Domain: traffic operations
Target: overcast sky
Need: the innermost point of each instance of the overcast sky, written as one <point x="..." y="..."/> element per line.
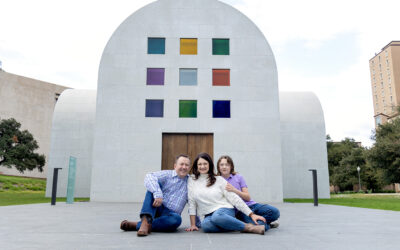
<point x="320" y="46"/>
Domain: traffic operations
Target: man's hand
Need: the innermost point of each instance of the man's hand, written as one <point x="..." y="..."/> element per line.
<point x="230" y="188"/>
<point x="157" y="202"/>
<point x="255" y="218"/>
<point x="192" y="228"/>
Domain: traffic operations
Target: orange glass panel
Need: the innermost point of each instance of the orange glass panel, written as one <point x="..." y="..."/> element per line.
<point x="221" y="77"/>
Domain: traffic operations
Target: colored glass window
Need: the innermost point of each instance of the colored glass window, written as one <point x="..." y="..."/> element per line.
<point x="221" y="77"/>
<point x="188" y="77"/>
<point x="156" y="45"/>
<point x="188" y="46"/>
<point x="154" y="108"/>
<point x="221" y="109"/>
<point x="220" y="46"/>
<point x="187" y="108"/>
<point x="155" y="76"/>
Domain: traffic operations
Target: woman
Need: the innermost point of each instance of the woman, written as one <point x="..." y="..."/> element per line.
<point x="207" y="197"/>
<point x="236" y="184"/>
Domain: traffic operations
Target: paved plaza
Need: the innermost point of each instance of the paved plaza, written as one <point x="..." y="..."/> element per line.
<point x="95" y="225"/>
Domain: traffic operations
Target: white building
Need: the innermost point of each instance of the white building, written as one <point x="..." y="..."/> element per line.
<point x="187" y="76"/>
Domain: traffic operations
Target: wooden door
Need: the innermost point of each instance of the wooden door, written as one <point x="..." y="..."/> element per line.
<point x="189" y="144"/>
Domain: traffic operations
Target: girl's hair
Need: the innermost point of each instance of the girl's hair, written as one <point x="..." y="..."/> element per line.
<point x="230" y="162"/>
<point x="211" y="174"/>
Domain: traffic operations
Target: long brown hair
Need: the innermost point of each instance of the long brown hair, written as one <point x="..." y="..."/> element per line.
<point x="230" y="162"/>
<point x="211" y="174"/>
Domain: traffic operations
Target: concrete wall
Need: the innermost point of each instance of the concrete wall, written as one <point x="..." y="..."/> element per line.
<point x="31" y="102"/>
<point x="127" y="145"/>
<point x="72" y="135"/>
<point x="303" y="145"/>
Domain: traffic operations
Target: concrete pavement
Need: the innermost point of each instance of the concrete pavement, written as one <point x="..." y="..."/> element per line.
<point x="94" y="225"/>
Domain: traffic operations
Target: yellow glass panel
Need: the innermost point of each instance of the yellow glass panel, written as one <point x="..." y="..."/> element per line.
<point x="188" y="46"/>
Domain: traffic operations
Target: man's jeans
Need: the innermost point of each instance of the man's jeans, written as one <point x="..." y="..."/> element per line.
<point x="163" y="219"/>
<point x="222" y="220"/>
<point x="270" y="214"/>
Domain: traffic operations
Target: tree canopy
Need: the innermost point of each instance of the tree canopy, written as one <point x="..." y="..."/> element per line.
<point x="17" y="147"/>
<point x="385" y="154"/>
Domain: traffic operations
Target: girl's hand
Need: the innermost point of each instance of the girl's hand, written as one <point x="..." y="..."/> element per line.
<point x="192" y="228"/>
<point x="230" y="188"/>
<point x="255" y="218"/>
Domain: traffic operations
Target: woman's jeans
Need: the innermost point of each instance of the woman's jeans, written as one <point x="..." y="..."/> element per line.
<point x="222" y="220"/>
<point x="163" y="219"/>
<point x="270" y="214"/>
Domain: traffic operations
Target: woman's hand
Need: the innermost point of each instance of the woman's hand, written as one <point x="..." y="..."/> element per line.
<point x="230" y="188"/>
<point x="192" y="228"/>
<point x="255" y="218"/>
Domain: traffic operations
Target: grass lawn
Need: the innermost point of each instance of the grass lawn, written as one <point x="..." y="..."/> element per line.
<point x="375" y="201"/>
<point x="19" y="190"/>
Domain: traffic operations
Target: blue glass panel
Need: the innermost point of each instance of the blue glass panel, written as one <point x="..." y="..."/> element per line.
<point x="154" y="108"/>
<point x="221" y="109"/>
<point x="187" y="76"/>
<point x="156" y="46"/>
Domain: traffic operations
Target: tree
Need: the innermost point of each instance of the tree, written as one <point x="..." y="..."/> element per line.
<point x="17" y="147"/>
<point x="385" y="153"/>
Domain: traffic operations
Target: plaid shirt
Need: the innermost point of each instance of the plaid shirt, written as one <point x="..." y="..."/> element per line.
<point x="167" y="185"/>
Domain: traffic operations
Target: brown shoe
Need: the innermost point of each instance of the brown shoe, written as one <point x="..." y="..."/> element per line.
<point x="145" y="227"/>
<point x="128" y="225"/>
<point x="254" y="229"/>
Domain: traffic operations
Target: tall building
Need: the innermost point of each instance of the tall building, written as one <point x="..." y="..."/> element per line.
<point x="385" y="82"/>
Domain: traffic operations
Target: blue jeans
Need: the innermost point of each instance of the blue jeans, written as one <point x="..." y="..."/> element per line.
<point x="163" y="219"/>
<point x="270" y="214"/>
<point x="222" y="220"/>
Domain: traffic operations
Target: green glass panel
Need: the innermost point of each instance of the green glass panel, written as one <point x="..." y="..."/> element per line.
<point x="187" y="108"/>
<point x="220" y="46"/>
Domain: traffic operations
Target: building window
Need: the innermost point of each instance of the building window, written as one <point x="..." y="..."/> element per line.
<point x="381" y="76"/>
<point x="391" y="98"/>
<point x="221" y="109"/>
<point x="188" y="46"/>
<point x="155" y="45"/>
<point x="380" y="67"/>
<point x="381" y="85"/>
<point x="378" y="120"/>
<point x="220" y="46"/>
<point x="155" y="76"/>
<point x="56" y="96"/>
<point x="187" y="108"/>
<point x="221" y="77"/>
<point x="188" y="77"/>
<point x="154" y="108"/>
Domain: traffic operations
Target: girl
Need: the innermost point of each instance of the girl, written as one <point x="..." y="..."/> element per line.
<point x="237" y="184"/>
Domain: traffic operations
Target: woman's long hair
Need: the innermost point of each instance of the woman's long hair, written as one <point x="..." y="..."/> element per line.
<point x="211" y="174"/>
<point x="230" y="162"/>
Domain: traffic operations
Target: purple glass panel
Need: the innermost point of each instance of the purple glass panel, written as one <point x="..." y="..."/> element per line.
<point x="155" y="76"/>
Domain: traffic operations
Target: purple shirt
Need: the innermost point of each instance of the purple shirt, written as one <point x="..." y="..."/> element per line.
<point x="238" y="182"/>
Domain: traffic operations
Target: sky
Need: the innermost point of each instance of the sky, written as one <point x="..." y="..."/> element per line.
<point x="319" y="46"/>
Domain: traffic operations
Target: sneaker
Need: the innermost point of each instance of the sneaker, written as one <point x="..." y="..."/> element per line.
<point x="274" y="225"/>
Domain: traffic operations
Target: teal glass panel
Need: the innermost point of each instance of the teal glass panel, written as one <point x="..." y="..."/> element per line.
<point x="188" y="77"/>
<point x="188" y="108"/>
<point x="156" y="45"/>
<point x="71" y="179"/>
<point x="220" y="46"/>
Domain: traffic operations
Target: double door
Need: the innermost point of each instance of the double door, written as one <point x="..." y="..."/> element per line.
<point x="174" y="144"/>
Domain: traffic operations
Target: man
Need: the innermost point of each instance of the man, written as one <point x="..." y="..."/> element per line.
<point x="165" y="199"/>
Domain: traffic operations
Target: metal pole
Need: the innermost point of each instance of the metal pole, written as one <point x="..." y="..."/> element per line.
<point x="54" y="189"/>
<point x="315" y="186"/>
<point x="359" y="182"/>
